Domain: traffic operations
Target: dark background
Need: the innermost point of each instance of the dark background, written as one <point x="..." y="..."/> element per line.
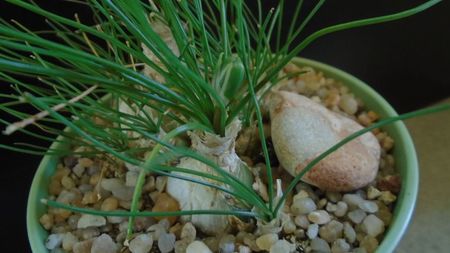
<point x="407" y="61"/>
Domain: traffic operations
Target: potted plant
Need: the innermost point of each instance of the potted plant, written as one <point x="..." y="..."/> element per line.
<point x="187" y="132"/>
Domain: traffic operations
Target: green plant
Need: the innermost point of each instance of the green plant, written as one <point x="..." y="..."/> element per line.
<point x="220" y="66"/>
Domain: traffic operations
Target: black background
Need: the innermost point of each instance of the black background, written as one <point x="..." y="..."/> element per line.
<point x="407" y="61"/>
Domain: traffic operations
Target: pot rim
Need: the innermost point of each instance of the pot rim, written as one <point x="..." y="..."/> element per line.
<point x="404" y="148"/>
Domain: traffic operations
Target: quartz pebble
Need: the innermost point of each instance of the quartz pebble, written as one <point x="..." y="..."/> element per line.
<point x="226" y="244"/>
<point x="320" y="245"/>
<point x="313" y="230"/>
<point x="369" y="243"/>
<point x="188" y="232"/>
<point x="368" y="206"/>
<point x="352" y="200"/>
<point x="303" y="206"/>
<point x="302" y="221"/>
<point x="82" y="247"/>
<point x="372" y="225"/>
<point x="69" y="241"/>
<point x="141" y="244"/>
<point x="341" y="209"/>
<point x="319" y="217"/>
<point x="198" y="247"/>
<point x="340" y="246"/>
<point x="53" y="241"/>
<point x="331" y="231"/>
<point x="266" y="241"/>
<point x="166" y="242"/>
<point x="282" y="246"/>
<point x="118" y="188"/>
<point x="104" y="244"/>
<point x="349" y="233"/>
<point x="87" y="220"/>
<point x="131" y="178"/>
<point x="244" y="249"/>
<point x="181" y="246"/>
<point x="356" y="216"/>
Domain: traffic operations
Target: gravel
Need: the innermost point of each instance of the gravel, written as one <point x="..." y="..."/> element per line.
<point x="315" y="220"/>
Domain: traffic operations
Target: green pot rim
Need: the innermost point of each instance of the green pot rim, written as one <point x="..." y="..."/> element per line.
<point x="404" y="153"/>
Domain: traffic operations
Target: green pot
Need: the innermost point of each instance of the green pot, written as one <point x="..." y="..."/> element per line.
<point x="404" y="152"/>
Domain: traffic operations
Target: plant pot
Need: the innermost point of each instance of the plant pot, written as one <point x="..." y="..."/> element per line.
<point x="404" y="153"/>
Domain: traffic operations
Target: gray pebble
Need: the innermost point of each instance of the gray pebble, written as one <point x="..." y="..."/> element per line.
<point x="356" y="216"/>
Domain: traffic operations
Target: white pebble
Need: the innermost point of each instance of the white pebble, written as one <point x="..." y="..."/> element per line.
<point x="320" y="245"/>
<point x="302" y="221"/>
<point x="226" y="244"/>
<point x="352" y="200"/>
<point x="244" y="249"/>
<point x="53" y="241"/>
<point x="331" y="207"/>
<point x="131" y="178"/>
<point x="141" y="244"/>
<point x="368" y="206"/>
<point x="331" y="231"/>
<point x="198" y="247"/>
<point x="82" y="247"/>
<point x="166" y="242"/>
<point x="68" y="241"/>
<point x="340" y="246"/>
<point x="188" y="232"/>
<point x="372" y="225"/>
<point x="313" y="230"/>
<point x="87" y="220"/>
<point x="356" y="216"/>
<point x="348" y="104"/>
<point x="303" y="206"/>
<point x="341" y="209"/>
<point x="319" y="217"/>
<point x="104" y="244"/>
<point x="349" y="232"/>
<point x="118" y="188"/>
<point x="266" y="241"/>
<point x="289" y="227"/>
<point x="282" y="246"/>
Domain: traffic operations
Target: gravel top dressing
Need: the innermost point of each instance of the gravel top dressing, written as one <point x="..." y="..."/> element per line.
<point x="311" y="220"/>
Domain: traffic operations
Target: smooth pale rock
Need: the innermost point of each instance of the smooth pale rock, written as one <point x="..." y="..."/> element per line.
<point x="303" y="129"/>
<point x="356" y="216"/>
<point x="282" y="246"/>
<point x="141" y="244"/>
<point x="303" y="206"/>
<point x="368" y="206"/>
<point x="87" y="220"/>
<point x="349" y="232"/>
<point x="320" y="245"/>
<point x="53" y="241"/>
<point x="331" y="231"/>
<point x="104" y="244"/>
<point x="372" y="225"/>
<point x="198" y="247"/>
<point x="319" y="217"/>
<point x="266" y="241"/>
<point x="166" y="242"/>
<point x="188" y="232"/>
<point x="340" y="246"/>
<point x="69" y="241"/>
<point x="82" y="247"/>
<point x="313" y="230"/>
